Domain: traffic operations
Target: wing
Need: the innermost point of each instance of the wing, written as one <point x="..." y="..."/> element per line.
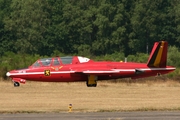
<point x="121" y="72"/>
<point x="97" y="71"/>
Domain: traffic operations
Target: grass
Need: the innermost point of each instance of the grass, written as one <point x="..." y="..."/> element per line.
<point x="37" y="97"/>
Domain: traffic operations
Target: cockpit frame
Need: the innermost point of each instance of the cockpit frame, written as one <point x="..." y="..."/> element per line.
<point x="44" y="62"/>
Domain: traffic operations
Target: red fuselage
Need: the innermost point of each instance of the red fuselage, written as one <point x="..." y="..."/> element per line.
<point x="76" y="71"/>
<point x="77" y="68"/>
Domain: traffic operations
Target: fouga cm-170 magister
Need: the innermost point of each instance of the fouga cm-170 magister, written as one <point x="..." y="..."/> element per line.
<point x="77" y="68"/>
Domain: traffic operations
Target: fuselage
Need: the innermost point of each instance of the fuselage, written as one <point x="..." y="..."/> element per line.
<point x="74" y="72"/>
<point x="77" y="68"/>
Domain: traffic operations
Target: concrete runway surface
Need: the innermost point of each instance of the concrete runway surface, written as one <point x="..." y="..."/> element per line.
<point x="167" y="115"/>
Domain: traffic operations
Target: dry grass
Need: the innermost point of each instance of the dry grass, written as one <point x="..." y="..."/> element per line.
<point x="55" y="97"/>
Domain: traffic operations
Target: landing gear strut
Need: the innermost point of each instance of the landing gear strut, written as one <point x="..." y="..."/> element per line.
<point x="16" y="84"/>
<point x="91" y="82"/>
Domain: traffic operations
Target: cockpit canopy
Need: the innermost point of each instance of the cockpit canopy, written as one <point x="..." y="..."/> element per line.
<point x="60" y="61"/>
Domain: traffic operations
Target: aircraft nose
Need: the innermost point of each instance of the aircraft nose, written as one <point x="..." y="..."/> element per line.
<point x="8" y="74"/>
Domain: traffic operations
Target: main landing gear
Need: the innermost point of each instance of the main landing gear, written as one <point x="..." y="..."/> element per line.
<point x="16" y="84"/>
<point x="92" y="81"/>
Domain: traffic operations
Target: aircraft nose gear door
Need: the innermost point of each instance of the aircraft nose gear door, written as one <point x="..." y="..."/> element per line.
<point x="91" y="82"/>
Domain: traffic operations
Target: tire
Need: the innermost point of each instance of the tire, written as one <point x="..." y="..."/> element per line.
<point x="91" y="85"/>
<point x="16" y="84"/>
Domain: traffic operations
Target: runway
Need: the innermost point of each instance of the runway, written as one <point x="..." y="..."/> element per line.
<point x="94" y="116"/>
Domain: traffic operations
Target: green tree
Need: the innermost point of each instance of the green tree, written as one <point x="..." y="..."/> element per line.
<point x="173" y="56"/>
<point x="175" y="11"/>
<point x="87" y="27"/>
<point x="56" y="33"/>
<point x="112" y="21"/>
<point x="5" y="36"/>
<point x="152" y="21"/>
<point x="28" y="21"/>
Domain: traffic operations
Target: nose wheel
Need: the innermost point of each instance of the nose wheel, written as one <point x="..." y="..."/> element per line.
<point x="16" y="84"/>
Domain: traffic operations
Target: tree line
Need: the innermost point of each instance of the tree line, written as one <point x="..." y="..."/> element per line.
<point x="87" y="27"/>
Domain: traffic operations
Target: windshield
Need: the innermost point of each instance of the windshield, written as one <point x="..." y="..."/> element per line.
<point x="46" y="61"/>
<point x="56" y="61"/>
<point x="53" y="61"/>
<point x="36" y="64"/>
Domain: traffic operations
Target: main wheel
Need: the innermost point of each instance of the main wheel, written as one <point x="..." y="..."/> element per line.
<point x="94" y="85"/>
<point x="91" y="85"/>
<point x="16" y="84"/>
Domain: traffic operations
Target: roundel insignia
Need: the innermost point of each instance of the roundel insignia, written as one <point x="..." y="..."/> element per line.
<point x="56" y="69"/>
<point x="47" y="73"/>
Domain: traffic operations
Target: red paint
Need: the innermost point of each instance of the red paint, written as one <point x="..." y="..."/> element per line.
<point x="79" y="68"/>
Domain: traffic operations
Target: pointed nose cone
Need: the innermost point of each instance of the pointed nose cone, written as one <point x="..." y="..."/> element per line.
<point x="8" y="74"/>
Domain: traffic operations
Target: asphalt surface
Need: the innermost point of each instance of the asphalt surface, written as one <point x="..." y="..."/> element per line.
<point x="94" y="116"/>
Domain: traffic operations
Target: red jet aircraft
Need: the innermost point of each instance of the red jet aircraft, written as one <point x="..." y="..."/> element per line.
<point x="77" y="68"/>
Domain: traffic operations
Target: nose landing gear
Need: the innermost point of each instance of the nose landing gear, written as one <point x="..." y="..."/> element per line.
<point x="16" y="84"/>
<point x="17" y="81"/>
